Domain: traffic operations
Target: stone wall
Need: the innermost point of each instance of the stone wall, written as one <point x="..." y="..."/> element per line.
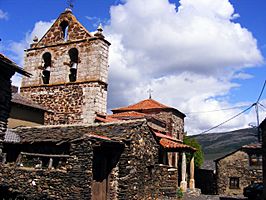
<point x="236" y="165"/>
<point x="5" y="98"/>
<point x="139" y="175"/>
<point x="72" y="183"/>
<point x="71" y="103"/>
<point x="174" y="123"/>
<point x="135" y="173"/>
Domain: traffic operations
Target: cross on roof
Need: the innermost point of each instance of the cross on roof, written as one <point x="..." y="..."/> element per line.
<point x="150" y="91"/>
<point x="70" y="4"/>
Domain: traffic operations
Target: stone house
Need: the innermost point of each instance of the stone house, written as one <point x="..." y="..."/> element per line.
<point x="7" y="69"/>
<point x="25" y="112"/>
<point x="71" y="156"/>
<point x="238" y="169"/>
<point x="263" y="131"/>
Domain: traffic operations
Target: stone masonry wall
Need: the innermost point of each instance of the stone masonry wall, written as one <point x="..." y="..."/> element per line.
<point x="5" y="98"/>
<point x="174" y="123"/>
<point x="236" y="165"/>
<point x="70" y="103"/>
<point x="73" y="102"/>
<point x="93" y="66"/>
<point x="138" y="174"/>
<point x="72" y="183"/>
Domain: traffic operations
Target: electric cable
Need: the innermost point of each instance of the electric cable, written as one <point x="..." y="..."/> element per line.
<point x="229" y="119"/>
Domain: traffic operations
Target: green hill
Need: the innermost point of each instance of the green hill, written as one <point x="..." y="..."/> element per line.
<point x="216" y="145"/>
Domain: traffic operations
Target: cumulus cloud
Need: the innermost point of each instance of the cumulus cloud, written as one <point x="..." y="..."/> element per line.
<point x="3" y="15"/>
<point x="189" y="55"/>
<point x="17" y="48"/>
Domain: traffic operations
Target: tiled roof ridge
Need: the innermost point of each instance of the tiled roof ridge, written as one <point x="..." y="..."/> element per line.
<point x="143" y="105"/>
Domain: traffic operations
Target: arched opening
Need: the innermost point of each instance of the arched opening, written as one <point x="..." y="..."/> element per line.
<point x="46" y="67"/>
<point x="74" y="60"/>
<point x="64" y="27"/>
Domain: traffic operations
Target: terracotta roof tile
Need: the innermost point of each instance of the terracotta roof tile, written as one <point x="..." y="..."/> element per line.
<point x="161" y="135"/>
<point x="142" y="105"/>
<point x="252" y="146"/>
<point x="127" y="114"/>
<point x="169" y="144"/>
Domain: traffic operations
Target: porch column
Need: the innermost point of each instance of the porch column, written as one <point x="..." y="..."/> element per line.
<point x="192" y="180"/>
<point x="183" y="184"/>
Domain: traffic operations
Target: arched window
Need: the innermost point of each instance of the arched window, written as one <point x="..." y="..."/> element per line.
<point x="64" y="27"/>
<point x="46" y="67"/>
<point x="74" y="60"/>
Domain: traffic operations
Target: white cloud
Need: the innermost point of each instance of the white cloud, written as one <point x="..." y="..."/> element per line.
<point x="17" y="48"/>
<point x="3" y="15"/>
<point x="188" y="55"/>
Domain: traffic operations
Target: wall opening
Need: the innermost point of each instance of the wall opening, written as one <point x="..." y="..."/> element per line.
<point x="64" y="27"/>
<point x="46" y="67"/>
<point x="74" y="60"/>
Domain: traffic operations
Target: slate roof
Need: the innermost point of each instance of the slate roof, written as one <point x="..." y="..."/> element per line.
<point x="257" y="147"/>
<point x="67" y="133"/>
<point x="4" y="61"/>
<point x="18" y="99"/>
<point x="11" y="137"/>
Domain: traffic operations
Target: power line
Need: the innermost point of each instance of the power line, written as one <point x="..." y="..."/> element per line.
<point x="228" y="119"/>
<point x="261" y="92"/>
<point x="223" y="109"/>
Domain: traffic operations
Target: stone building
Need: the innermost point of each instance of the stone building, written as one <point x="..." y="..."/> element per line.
<point x="69" y="67"/>
<point x="263" y="130"/>
<point x="24" y="112"/>
<point x="7" y="69"/>
<point x="168" y="125"/>
<point x="239" y="169"/>
<point x="135" y="156"/>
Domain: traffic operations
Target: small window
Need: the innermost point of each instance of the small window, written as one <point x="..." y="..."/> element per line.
<point x="234" y="183"/>
<point x="255" y="160"/>
<point x="46" y="67"/>
<point x="64" y="27"/>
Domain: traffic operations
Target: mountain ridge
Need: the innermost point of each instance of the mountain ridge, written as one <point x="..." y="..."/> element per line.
<point x="216" y="145"/>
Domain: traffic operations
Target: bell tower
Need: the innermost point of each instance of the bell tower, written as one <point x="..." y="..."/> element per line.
<point x="69" y="67"/>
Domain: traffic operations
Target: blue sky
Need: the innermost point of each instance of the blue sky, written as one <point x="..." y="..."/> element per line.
<point x="224" y="76"/>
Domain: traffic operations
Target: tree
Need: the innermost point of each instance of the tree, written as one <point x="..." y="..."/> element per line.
<point x="198" y="155"/>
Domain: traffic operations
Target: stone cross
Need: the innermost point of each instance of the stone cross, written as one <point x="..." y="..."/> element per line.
<point x="150" y="91"/>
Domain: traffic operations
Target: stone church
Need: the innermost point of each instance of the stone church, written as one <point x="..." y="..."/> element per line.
<point x="81" y="152"/>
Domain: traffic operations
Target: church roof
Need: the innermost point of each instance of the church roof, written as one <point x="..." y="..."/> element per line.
<point x="142" y="105"/>
<point x="147" y="104"/>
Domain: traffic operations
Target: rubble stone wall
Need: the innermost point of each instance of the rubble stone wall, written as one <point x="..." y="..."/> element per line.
<point x="73" y="102"/>
<point x="236" y="165"/>
<point x="139" y="175"/>
<point x="72" y="183"/>
<point x="174" y="123"/>
<point x="70" y="103"/>
<point x="5" y="99"/>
